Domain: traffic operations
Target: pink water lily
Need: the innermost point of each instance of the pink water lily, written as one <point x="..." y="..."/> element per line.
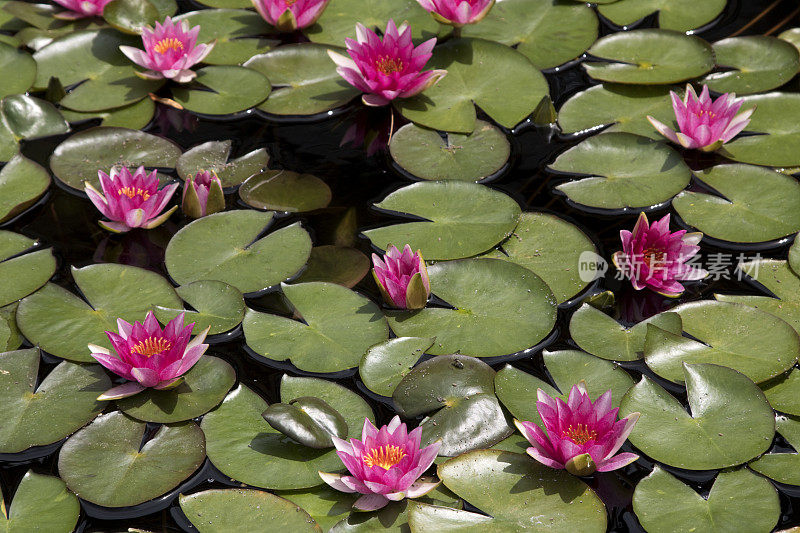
<point x="202" y="195"/>
<point x="388" y="68"/>
<point x="385" y="465"/>
<point x="580" y="436"/>
<point x="402" y="278"/>
<point x="148" y="356"/>
<point x="656" y="258"/>
<point x="702" y="122"/>
<point x="457" y="12"/>
<point x="78" y="9"/>
<point x="170" y="50"/>
<point x="290" y="15"/>
<point x="131" y="200"/>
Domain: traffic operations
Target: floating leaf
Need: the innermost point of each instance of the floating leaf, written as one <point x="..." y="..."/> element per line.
<point x="394" y="517"/>
<point x="133" y="116"/>
<point x="30" y="118"/>
<point x="22" y="182"/>
<point x="130" y="16"/>
<point x="10" y="337"/>
<point x="752" y="64"/>
<point x="41" y="503"/>
<point x="325" y="505"/>
<point x="386" y="364"/>
<point x="680" y="15"/>
<point x="216" y="305"/>
<point x="335" y="264"/>
<point x="239" y="33"/>
<point x="782" y="467"/>
<point x="21" y="272"/>
<point x="284" y="190"/>
<point x="214" y="156"/>
<point x="21" y="64"/>
<point x="226" y="89"/>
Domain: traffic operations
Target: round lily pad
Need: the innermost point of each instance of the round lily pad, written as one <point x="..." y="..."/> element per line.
<point x="29" y="118"/>
<point x="325" y="505"/>
<point x="246" y="448"/>
<point x="214" y="156"/>
<point x="548" y="33"/>
<point x="21" y="64"/>
<point x="474" y="67"/>
<point x="63" y="402"/>
<point x="394" y="517"/>
<point x="304" y="79"/>
<point x="624" y="171"/>
<point x="225" y="89"/>
<point x="203" y="388"/>
<point x="386" y="364"/>
<point x="215" y="304"/>
<point x="782" y="467"/>
<point x="738" y="498"/>
<point x="500" y="308"/>
<point x="750" y="204"/>
<point x="41" y="503"/>
<point x="63" y="324"/>
<point x="426" y="154"/>
<point x="78" y="158"/>
<point x="335" y="264"/>
<point x="223" y="511"/>
<point x="338" y="327"/>
<point x="22" y="182"/>
<point x="107" y="462"/>
<point x="729" y="421"/>
<point x="132" y="116"/>
<point x="23" y="268"/>
<point x="284" y="190"/>
<point x="130" y="16"/>
<point x="752" y="64"/>
<point x="649" y="57"/>
<point x="680" y="15"/>
<point x="460" y="219"/>
<point x="231" y="253"/>
<point x="239" y="33"/>
<point x="10" y="337"/>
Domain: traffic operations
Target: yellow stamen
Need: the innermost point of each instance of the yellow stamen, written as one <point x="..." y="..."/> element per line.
<point x="151" y="346"/>
<point x="580" y="434"/>
<point x="388" y="65"/>
<point x="384" y="456"/>
<point x="290" y="2"/>
<point x="130" y="192"/>
<point x="171" y="43"/>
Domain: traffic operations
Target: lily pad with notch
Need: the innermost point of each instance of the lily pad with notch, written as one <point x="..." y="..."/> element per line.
<point x="679" y="15"/>
<point x="752" y="64"/>
<point x="394" y="517"/>
<point x="239" y="34"/>
<point x="284" y="190"/>
<point x="335" y="264"/>
<point x="23" y="66"/>
<point x="782" y="467"/>
<point x="214" y="156"/>
<point x="27" y="117"/>
<point x="214" y="304"/>
<point x="325" y="505"/>
<point x="133" y="116"/>
<point x="386" y="364"/>
<point x="223" y="90"/>
<point x="41" y="503"/>
<point x="10" y="337"/>
<point x="23" y="267"/>
<point x="22" y="183"/>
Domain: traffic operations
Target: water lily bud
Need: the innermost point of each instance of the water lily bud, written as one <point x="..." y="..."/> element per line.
<point x="202" y="195"/>
<point x="402" y="278"/>
<point x="457" y="13"/>
<point x="290" y="15"/>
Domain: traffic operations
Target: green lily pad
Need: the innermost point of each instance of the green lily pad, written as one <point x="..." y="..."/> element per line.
<point x="223" y="511"/>
<point x="284" y="190"/>
<point x="30" y="118"/>
<point x="757" y="63"/>
<point x="22" y="183"/>
<point x="550" y="247"/>
<point x="41" y="503"/>
<point x="246" y="448"/>
<point x="500" y="309"/>
<point x="794" y="256"/>
<point x="394" y="517"/>
<point x="10" y="337"/>
<point x="21" y="64"/>
<point x="130" y="16"/>
<point x="22" y="273"/>
<point x="782" y="467"/>
<point x="63" y="401"/>
<point x="335" y="264"/>
<point x="680" y="15"/>
<point x="133" y="116"/>
<point x="62" y="323"/>
<point x="239" y="33"/>
<point x="231" y="253"/>
<point x="792" y="35"/>
<point x="549" y="32"/>
<point x="729" y="422"/>
<point x="203" y="388"/>
<point x="600" y="335"/>
<point x="214" y="156"/>
<point x="425" y="154"/>
<point x="215" y="304"/>
<point x="473" y="68"/>
<point x="386" y="364"/>
<point x="78" y="158"/>
<point x="304" y="78"/>
<point x="751" y="204"/>
<point x="325" y="505"/>
<point x="649" y="57"/>
<point x="226" y="4"/>
<point x="738" y="499"/>
<point x="753" y="342"/>
<point x="460" y="390"/>
<point x="782" y="392"/>
<point x="517" y="389"/>
<point x="223" y="90"/>
<point x="338" y="327"/>
<point x="108" y="464"/>
<point x="460" y="219"/>
<point x="37" y="15"/>
<point x="624" y="170"/>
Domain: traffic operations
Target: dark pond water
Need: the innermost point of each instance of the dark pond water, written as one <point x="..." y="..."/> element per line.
<point x="68" y="224"/>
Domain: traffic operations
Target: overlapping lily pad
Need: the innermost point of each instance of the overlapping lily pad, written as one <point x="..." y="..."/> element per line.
<point x="325" y="505"/>
<point x="133" y="116"/>
<point x="284" y="190"/>
<point x="752" y="64"/>
<point x="41" y="503"/>
<point x="129" y="16"/>
<point x="782" y="467"/>
<point x="21" y="64"/>
<point x="499" y="308"/>
<point x="26" y="117"/>
<point x="23" y="268"/>
<point x="386" y="364"/>
<point x="214" y="304"/>
<point x="335" y="264"/>
<point x="230" y="252"/>
<point x="394" y="517"/>
<point x="459" y="219"/>
<point x="338" y="327"/>
<point x="22" y="182"/>
<point x="680" y="15"/>
<point x="624" y="171"/>
<point x="214" y="156"/>
<point x="239" y="33"/>
<point x="223" y="89"/>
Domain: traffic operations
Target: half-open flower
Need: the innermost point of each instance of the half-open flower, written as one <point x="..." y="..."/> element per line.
<point x="402" y="278"/>
<point x="170" y="50"/>
<point x="202" y="195"/>
<point x="388" y="68"/>
<point x="385" y="465"/>
<point x="457" y="13"/>
<point x="580" y="435"/>
<point x="78" y="9"/>
<point x="131" y="200"/>
<point x="656" y="258"/>
<point x="290" y="15"/>
<point x="702" y="122"/>
<point x="148" y="356"/>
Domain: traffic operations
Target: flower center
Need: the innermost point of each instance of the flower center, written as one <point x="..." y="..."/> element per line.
<point x="170" y="43"/>
<point x="388" y="65"/>
<point x="654" y="257"/>
<point x="289" y="2"/>
<point x="130" y="192"/>
<point x="152" y="346"/>
<point x="384" y="456"/>
<point x="705" y="112"/>
<point x="580" y="434"/>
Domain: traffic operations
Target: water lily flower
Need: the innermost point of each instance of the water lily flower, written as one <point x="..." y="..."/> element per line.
<point x="170" y="50"/>
<point x="656" y="258"/>
<point x="457" y="13"/>
<point x="131" y="200"/>
<point x="202" y="195"/>
<point x="290" y="15"/>
<point x="78" y="9"/>
<point x="402" y="278"/>
<point x="704" y="123"/>
<point x="580" y="436"/>
<point x="385" y="465"/>
<point x="148" y="356"/>
<point x="388" y="68"/>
